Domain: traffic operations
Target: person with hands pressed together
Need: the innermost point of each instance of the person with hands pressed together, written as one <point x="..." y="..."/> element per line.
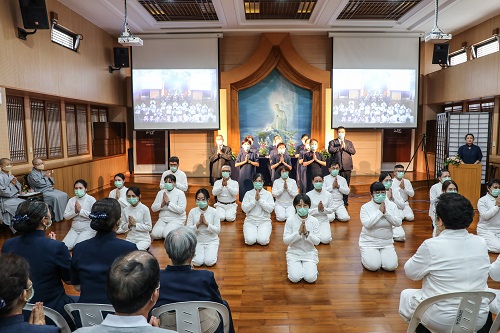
<point x="247" y="161"/>
<point x="313" y="161"/>
<point x="282" y="158"/>
<point x="173" y="169"/>
<point x="10" y="188"/>
<point x="120" y="191"/>
<point x="136" y="220"/>
<point x="321" y="208"/>
<point x="226" y="190"/>
<point x="220" y="155"/>
<point x="284" y="190"/>
<point x="338" y="187"/>
<point x="398" y="233"/>
<point x="405" y="190"/>
<point x="488" y="206"/>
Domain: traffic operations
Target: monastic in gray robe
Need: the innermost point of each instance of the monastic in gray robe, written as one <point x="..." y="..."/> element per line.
<point x="52" y="197"/>
<point x="8" y="197"/>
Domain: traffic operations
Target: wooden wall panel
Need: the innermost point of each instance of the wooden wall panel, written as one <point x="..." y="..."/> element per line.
<point x="193" y="150"/>
<point x="368" y="157"/>
<point x="316" y="50"/>
<point x="236" y="50"/>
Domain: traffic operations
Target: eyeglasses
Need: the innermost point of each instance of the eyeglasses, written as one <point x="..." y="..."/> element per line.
<point x="157" y="288"/>
<point x="30" y="287"/>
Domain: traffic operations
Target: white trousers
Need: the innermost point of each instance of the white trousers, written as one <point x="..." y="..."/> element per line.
<point x="162" y="228"/>
<point x="398" y="233"/>
<point x="325" y="233"/>
<point x="226" y="212"/>
<point x="74" y="237"/>
<point x="141" y="245"/>
<point x="283" y="213"/>
<point x="341" y="214"/>
<point x="206" y="254"/>
<point x="408" y="213"/>
<point x="257" y="234"/>
<point x="492" y="240"/>
<point x="375" y="258"/>
<point x="298" y="270"/>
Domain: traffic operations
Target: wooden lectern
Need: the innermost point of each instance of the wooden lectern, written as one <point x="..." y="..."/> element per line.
<point x="468" y="179"/>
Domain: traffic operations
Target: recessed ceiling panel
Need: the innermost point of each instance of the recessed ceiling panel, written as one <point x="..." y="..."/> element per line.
<point x="180" y="10"/>
<point x="279" y="9"/>
<point x="377" y="9"/>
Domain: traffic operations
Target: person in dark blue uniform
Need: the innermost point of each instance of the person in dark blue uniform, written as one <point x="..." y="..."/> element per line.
<point x="313" y="161"/>
<point x="247" y="161"/>
<point x="48" y="258"/>
<point x="93" y="257"/>
<point x="301" y="169"/>
<point x="470" y="153"/>
<point x="16" y="290"/>
<point x="282" y="158"/>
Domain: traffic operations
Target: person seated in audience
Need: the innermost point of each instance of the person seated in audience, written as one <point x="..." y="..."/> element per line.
<point x="93" y="257"/>
<point x="488" y="206"/>
<point x="450" y="186"/>
<point x="247" y="161"/>
<point x="284" y="190"/>
<point x="171" y="203"/>
<point x="376" y="241"/>
<point x="302" y="234"/>
<point x="435" y="191"/>
<point x="226" y="190"/>
<point x="302" y="170"/>
<point x="181" y="283"/>
<point x="398" y="233"/>
<point x="16" y="290"/>
<point x="132" y="286"/>
<point x="220" y="155"/>
<point x="454" y="261"/>
<point x="41" y="181"/>
<point x="258" y="205"/>
<point x="338" y="187"/>
<point x="205" y="222"/>
<point x="321" y="208"/>
<point x="403" y="186"/>
<point x="78" y="210"/>
<point x="10" y="188"/>
<point x="120" y="191"/>
<point x="181" y="178"/>
<point x="48" y="258"/>
<point x="136" y="220"/>
<point x="313" y="161"/>
<point x="281" y="158"/>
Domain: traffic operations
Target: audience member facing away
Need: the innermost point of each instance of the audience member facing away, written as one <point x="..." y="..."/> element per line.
<point x="226" y="190"/>
<point x="220" y="155"/>
<point x="455" y="261"/>
<point x="16" y="290"/>
<point x="313" y="161"/>
<point x="120" y="191"/>
<point x="302" y="234"/>
<point x="403" y="186"/>
<point x="393" y="197"/>
<point x="434" y="193"/>
<point x="78" y="210"/>
<point x="321" y="208"/>
<point x="181" y="283"/>
<point x="470" y="153"/>
<point x="488" y="206"/>
<point x="181" y="179"/>
<point x="376" y="240"/>
<point x="450" y="186"/>
<point x="247" y="161"/>
<point x="281" y="158"/>
<point x="133" y="284"/>
<point x="284" y="190"/>
<point x="205" y="222"/>
<point x="41" y="181"/>
<point x="171" y="203"/>
<point x="338" y="187"/>
<point x="92" y="258"/>
<point x="10" y="188"/>
<point x="136" y="220"/>
<point x="342" y="151"/>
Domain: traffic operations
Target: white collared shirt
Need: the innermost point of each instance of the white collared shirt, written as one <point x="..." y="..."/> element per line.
<point x="226" y="194"/>
<point x="408" y="192"/>
<point x="338" y="192"/>
<point x="285" y="198"/>
<point x="125" y="321"/>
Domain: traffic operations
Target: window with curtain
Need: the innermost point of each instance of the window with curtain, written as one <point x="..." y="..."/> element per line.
<point x="16" y="129"/>
<point x="46" y="129"/>
<point x="98" y="114"/>
<point x="76" y="129"/>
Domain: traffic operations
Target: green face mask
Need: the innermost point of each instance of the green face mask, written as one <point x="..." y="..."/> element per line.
<point x="168" y="186"/>
<point x="387" y="184"/>
<point x="314" y="147"/>
<point x="379" y="197"/>
<point x="334" y="172"/>
<point x="318" y="186"/>
<point x="302" y="211"/>
<point x="173" y="168"/>
<point x="495" y="192"/>
<point x="118" y="184"/>
<point x="133" y="201"/>
<point x="451" y="191"/>
<point x="225" y="174"/>
<point x="284" y="174"/>
<point x="202" y="204"/>
<point x="445" y="179"/>
<point x="257" y="185"/>
<point x="79" y="193"/>
<point x="400" y="174"/>
<point x="281" y="151"/>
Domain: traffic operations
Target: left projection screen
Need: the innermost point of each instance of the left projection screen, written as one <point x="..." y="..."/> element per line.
<point x="175" y="84"/>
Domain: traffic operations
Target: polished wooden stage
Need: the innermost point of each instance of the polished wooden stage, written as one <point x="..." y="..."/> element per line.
<point x="253" y="279"/>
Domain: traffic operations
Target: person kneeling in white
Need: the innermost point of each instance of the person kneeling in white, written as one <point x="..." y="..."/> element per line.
<point x="258" y="205"/>
<point x="405" y="191"/>
<point x="205" y="222"/>
<point x="284" y="190"/>
<point x="338" y="187"/>
<point x="488" y="206"/>
<point x="398" y="233"/>
<point x="171" y="203"/>
<point x="321" y="208"/>
<point x="301" y="235"/>
<point x="226" y="190"/>
<point x="136" y="220"/>
<point x="453" y="261"/>
<point x="375" y="241"/>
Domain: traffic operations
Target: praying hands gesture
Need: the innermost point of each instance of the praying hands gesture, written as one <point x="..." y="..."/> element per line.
<point x="389" y="195"/>
<point x="52" y="235"/>
<point x="303" y="229"/>
<point x="315" y="158"/>
<point x="131" y="222"/>
<point x="321" y="207"/>
<point x="342" y="144"/>
<point x="202" y="221"/>
<point x="14" y="181"/>
<point x="382" y="207"/>
<point x="37" y="316"/>
<point x="224" y="181"/>
<point x="166" y="200"/>
<point x="497" y="201"/>
<point x="282" y="159"/>
<point x="402" y="184"/>
<point x="117" y="195"/>
<point x="285" y="186"/>
<point x="78" y="207"/>
<point x="335" y="183"/>
<point x="47" y="173"/>
<point x="246" y="159"/>
<point x="257" y="195"/>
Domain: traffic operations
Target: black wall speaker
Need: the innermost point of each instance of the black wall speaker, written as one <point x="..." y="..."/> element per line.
<point x="121" y="57"/>
<point x="34" y="13"/>
<point x="440" y="55"/>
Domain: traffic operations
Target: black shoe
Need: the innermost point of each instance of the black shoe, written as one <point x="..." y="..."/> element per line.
<point x="346" y="204"/>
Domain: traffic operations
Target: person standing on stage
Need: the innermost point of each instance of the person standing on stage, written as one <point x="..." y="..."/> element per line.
<point x="470" y="153"/>
<point x="313" y="161"/>
<point x="219" y="156"/>
<point x="302" y="170"/>
<point x="247" y="161"/>
<point x="299" y="149"/>
<point x="342" y="151"/>
<point x="282" y="158"/>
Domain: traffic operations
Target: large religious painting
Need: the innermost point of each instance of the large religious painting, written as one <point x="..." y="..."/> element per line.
<point x="275" y="106"/>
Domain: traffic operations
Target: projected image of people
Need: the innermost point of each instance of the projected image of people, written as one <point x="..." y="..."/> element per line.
<point x="374" y="98"/>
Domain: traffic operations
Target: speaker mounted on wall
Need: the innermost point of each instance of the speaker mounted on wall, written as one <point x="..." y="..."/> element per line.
<point x="34" y="14"/>
<point x="121" y="59"/>
<point x="440" y="54"/>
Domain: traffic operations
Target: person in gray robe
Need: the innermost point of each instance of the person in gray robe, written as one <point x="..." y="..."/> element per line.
<point x="41" y="181"/>
<point x="10" y="188"/>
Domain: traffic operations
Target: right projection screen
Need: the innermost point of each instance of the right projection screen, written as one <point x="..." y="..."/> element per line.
<point x="375" y="81"/>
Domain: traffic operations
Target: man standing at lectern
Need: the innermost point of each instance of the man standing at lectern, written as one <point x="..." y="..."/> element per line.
<point x="342" y="151"/>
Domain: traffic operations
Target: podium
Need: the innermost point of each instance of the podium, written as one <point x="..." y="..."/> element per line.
<point x="468" y="179"/>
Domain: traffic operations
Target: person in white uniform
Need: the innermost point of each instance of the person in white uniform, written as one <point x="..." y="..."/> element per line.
<point x="454" y="261"/>
<point x="120" y="191"/>
<point x="450" y="186"/>
<point x="338" y="187"/>
<point x="488" y="206"/>
<point x="284" y="190"/>
<point x="136" y="220"/>
<point x="10" y="188"/>
<point x="78" y="210"/>
<point x="405" y="189"/>
<point x="226" y="190"/>
<point x="181" y="178"/>
<point x="435" y="192"/>
<point x="495" y="276"/>
<point x="258" y="205"/>
<point x="171" y="203"/>
<point x="376" y="241"/>
<point x="205" y="222"/>
<point x="321" y="208"/>
<point x="398" y="233"/>
<point x="301" y="234"/>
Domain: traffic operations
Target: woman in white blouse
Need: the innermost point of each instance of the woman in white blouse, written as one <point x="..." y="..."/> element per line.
<point x="284" y="190"/>
<point x="488" y="206"/>
<point x="171" y="203"/>
<point x="258" y="205"/>
<point x="120" y="191"/>
<point x="78" y="209"/>
<point x="301" y="234"/>
<point x="205" y="222"/>
<point x="398" y="233"/>
<point x="322" y="208"/>
<point x="136" y="220"/>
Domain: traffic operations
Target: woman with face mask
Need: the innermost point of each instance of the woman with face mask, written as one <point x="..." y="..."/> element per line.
<point x="247" y="161"/>
<point x="120" y="191"/>
<point x="313" y="161"/>
<point x="394" y="197"/>
<point x="338" y="187"/>
<point x="284" y="190"/>
<point x="78" y="210"/>
<point x="375" y="241"/>
<point x="321" y="207"/>
<point x="258" y="205"/>
<point x="282" y="158"/>
<point x="205" y="222"/>
<point x="136" y="220"/>
<point x="10" y="188"/>
<point x="301" y="234"/>
<point x="488" y="206"/>
<point x="435" y="191"/>
<point x="301" y="169"/>
<point x="450" y="186"/>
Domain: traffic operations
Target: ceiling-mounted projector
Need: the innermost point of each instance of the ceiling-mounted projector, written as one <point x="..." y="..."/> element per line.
<point x="126" y="38"/>
<point x="436" y="35"/>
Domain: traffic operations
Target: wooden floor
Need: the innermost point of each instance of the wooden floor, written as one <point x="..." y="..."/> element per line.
<point x="345" y="298"/>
